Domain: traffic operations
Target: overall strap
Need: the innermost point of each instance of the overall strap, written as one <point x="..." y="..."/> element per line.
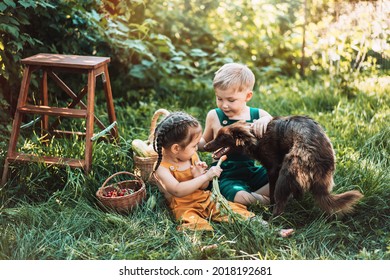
<point x="224" y="120"/>
<point x="255" y="115"/>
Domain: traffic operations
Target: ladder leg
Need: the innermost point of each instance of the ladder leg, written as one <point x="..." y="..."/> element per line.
<point x="17" y="121"/>
<point x="89" y="120"/>
<point x="18" y="116"/>
<point x="45" y="102"/>
<point x="110" y="102"/>
<point x="5" y="173"/>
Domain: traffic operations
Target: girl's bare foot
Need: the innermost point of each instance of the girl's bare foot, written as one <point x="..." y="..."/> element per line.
<point x="286" y="232"/>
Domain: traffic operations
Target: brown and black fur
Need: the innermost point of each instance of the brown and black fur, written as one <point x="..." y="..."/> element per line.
<point x="298" y="156"/>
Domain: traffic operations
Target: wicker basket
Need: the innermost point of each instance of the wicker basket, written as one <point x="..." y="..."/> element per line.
<point x="143" y="166"/>
<point x="122" y="204"/>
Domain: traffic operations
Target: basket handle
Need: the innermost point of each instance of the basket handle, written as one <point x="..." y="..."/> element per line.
<point x="157" y="114"/>
<point x="119" y="173"/>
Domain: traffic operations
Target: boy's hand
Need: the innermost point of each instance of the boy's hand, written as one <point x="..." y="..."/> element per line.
<point x="199" y="168"/>
<point x="259" y="127"/>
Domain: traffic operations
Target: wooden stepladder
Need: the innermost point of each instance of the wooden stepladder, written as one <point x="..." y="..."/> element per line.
<point x="50" y="65"/>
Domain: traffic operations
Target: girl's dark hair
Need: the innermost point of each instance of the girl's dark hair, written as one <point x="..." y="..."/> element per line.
<point x="173" y="129"/>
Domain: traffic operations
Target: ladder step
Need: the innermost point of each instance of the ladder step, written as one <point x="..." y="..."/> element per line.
<point x="75" y="163"/>
<point x="67" y="134"/>
<point x="53" y="111"/>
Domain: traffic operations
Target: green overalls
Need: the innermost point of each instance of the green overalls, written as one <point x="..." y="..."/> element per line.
<point x="240" y="173"/>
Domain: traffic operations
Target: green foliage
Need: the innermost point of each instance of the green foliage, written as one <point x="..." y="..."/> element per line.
<point x="13" y="39"/>
<point x="160" y="47"/>
<point x="349" y="43"/>
<point x="261" y="34"/>
<point x="172" y="46"/>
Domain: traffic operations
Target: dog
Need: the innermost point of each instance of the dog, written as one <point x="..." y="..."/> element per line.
<point x="298" y="157"/>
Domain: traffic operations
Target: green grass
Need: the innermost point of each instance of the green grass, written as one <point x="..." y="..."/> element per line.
<point x="52" y="213"/>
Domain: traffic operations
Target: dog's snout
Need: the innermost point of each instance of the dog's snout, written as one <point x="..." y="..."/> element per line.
<point x="210" y="146"/>
<point x="206" y="147"/>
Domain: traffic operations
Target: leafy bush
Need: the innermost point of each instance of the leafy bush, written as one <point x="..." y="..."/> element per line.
<point x="162" y="44"/>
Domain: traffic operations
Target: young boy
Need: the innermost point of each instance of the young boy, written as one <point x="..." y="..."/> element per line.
<point x="241" y="181"/>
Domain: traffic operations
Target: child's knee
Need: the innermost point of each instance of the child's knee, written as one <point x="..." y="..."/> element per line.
<point x="264" y="190"/>
<point x="244" y="198"/>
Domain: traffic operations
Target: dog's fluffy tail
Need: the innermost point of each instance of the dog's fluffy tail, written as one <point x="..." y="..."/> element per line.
<point x="338" y="204"/>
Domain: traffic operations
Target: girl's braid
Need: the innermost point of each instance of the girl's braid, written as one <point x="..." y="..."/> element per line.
<point x="172" y="129"/>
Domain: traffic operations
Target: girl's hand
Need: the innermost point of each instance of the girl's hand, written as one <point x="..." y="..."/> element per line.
<point x="259" y="127"/>
<point x="214" y="171"/>
<point x="199" y="168"/>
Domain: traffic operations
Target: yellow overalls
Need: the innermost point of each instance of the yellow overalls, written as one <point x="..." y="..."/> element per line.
<point x="195" y="209"/>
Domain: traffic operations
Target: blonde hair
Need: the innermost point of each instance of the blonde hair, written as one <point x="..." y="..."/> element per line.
<point x="234" y="75"/>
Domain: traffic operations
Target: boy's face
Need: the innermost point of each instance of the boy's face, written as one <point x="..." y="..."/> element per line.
<point x="232" y="101"/>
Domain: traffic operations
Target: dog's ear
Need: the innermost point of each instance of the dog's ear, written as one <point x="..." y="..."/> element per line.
<point x="241" y="132"/>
